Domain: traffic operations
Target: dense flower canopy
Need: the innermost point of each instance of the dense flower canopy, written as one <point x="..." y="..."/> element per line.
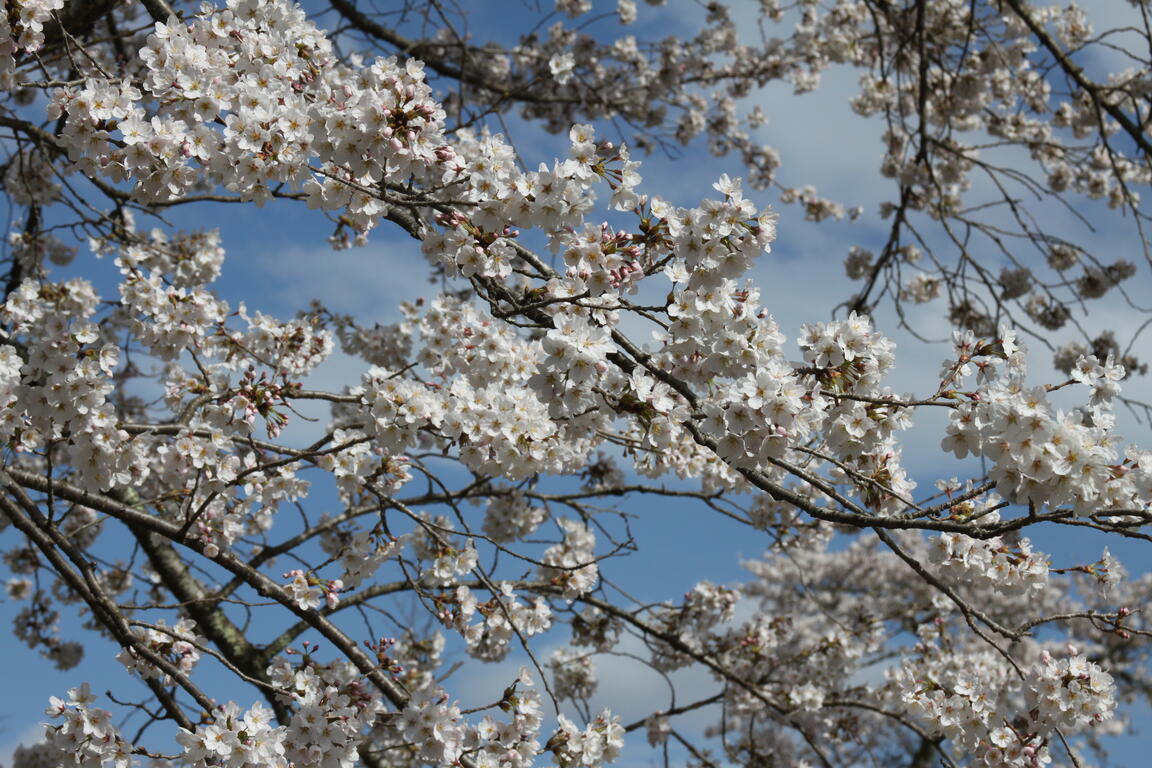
<point x="594" y="350"/>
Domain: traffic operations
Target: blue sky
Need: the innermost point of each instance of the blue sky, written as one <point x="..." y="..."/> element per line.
<point x="279" y="260"/>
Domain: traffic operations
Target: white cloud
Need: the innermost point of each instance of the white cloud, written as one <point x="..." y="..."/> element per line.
<point x="368" y="282"/>
<point x="32" y="733"/>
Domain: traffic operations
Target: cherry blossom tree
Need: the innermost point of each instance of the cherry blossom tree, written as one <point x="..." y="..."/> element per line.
<point x="594" y="351"/>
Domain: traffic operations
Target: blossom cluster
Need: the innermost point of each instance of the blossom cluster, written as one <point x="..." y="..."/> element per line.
<point x="252" y="96"/>
<point x="503" y="619"/>
<point x="333" y="708"/>
<point x="62" y="386"/>
<point x="178" y="644"/>
<point x="571" y="564"/>
<point x="86" y="735"/>
<point x="978" y="703"/>
<point x="309" y="592"/>
<point x="1038" y="452"/>
<point x="235" y="739"/>
<point x="22" y="30"/>
<point x="360" y="554"/>
<point x="991" y="563"/>
<point x="597" y="744"/>
<point x="528" y="369"/>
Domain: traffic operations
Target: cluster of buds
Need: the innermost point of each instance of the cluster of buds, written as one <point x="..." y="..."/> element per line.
<point x="260" y="396"/>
